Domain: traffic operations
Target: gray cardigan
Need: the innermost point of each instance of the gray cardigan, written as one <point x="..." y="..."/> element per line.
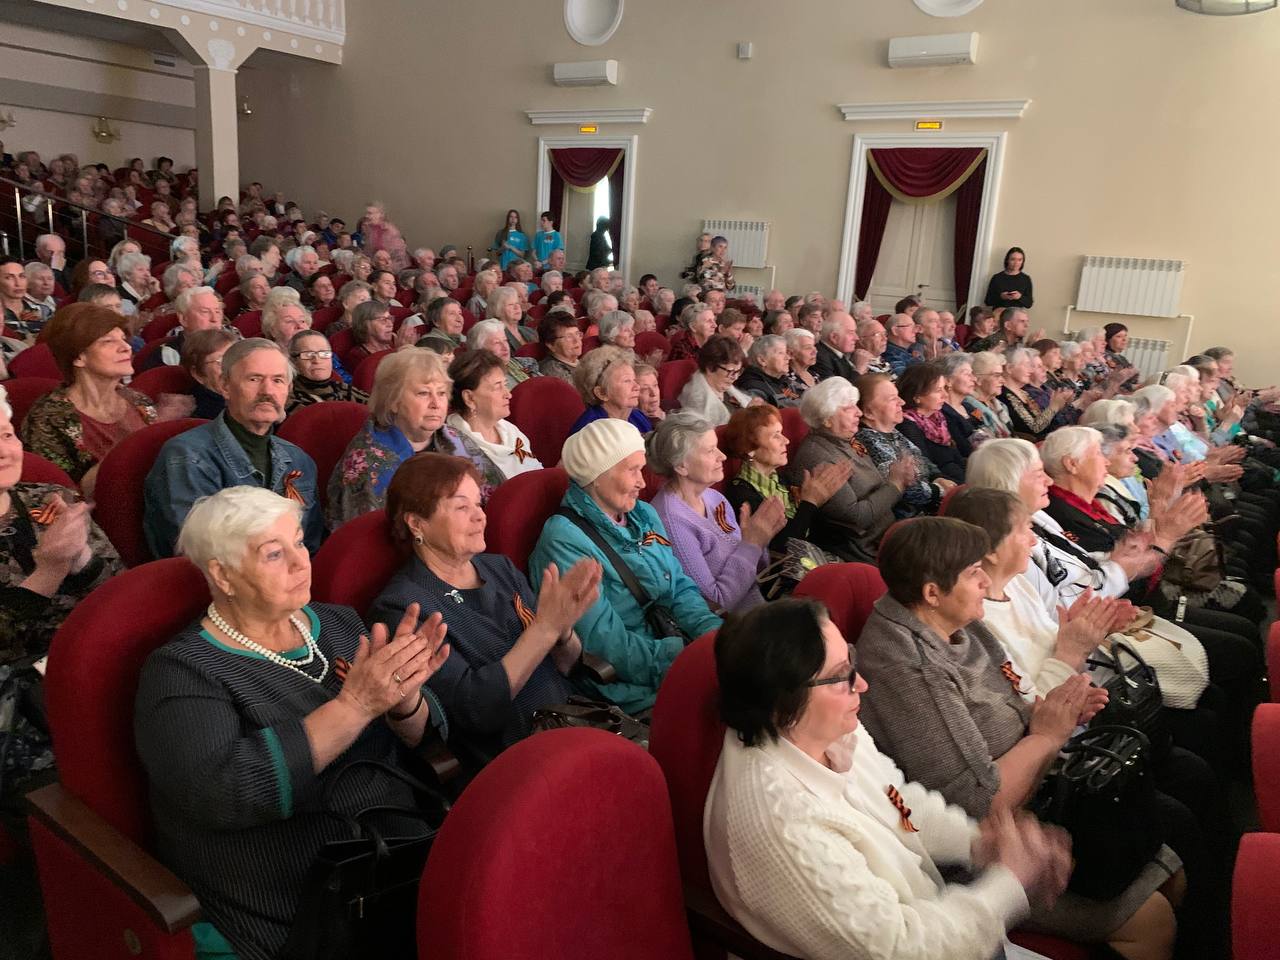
<point x="852" y="522"/>
<point x="944" y="711"/>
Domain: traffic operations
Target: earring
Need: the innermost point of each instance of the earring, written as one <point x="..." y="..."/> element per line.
<point x="417" y="538"/>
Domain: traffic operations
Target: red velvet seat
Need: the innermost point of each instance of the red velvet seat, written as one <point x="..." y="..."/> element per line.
<point x="163" y="379"/>
<point x="232" y="302"/>
<point x="118" y="506"/>
<point x="362" y="377"/>
<point x="104" y="895"/>
<point x="153" y="302"/>
<point x="590" y="343"/>
<point x="323" y="430"/>
<point x="399" y="313"/>
<point x="561" y="847"/>
<point x="651" y="341"/>
<point x="321" y="318"/>
<point x="545" y="408"/>
<point x="36" y="469"/>
<point x="1255" y="898"/>
<point x="342" y="343"/>
<point x="1266" y="765"/>
<point x="22" y="392"/>
<point x="227" y="281"/>
<point x="469" y="320"/>
<point x="141" y="358"/>
<point x="672" y="376"/>
<point x="405" y="297"/>
<point x="793" y="428"/>
<point x="536" y="350"/>
<point x="1273" y="657"/>
<point x="249" y="323"/>
<point x="518" y="510"/>
<point x="158" y="328"/>
<point x="35" y="361"/>
<point x="356" y="562"/>
<point x="537" y="311"/>
<point x="849" y="591"/>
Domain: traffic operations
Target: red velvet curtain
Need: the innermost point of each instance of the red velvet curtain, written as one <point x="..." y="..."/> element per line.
<point x="584" y="167"/>
<point x="920" y="175"/>
<point x="615" y="208"/>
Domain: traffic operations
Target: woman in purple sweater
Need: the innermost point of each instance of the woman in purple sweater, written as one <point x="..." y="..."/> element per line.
<point x="720" y="552"/>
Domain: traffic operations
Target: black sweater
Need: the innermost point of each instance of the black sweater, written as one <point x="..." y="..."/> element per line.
<point x="1006" y="283"/>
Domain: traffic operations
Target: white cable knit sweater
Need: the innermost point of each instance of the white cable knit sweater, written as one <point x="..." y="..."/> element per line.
<point x="818" y="863"/>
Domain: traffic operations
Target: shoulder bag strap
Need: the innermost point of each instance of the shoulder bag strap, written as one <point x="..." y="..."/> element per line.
<point x="619" y="565"/>
<point x="1062" y="543"/>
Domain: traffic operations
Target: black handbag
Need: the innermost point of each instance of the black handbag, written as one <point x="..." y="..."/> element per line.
<point x="660" y="619"/>
<point x="360" y="897"/>
<point x="1100" y="791"/>
<point x="582" y="711"/>
<point x="1134" y="698"/>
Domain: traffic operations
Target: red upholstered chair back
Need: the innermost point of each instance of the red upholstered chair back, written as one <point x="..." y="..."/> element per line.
<point x="1255" y="898"/>
<point x="249" y="323"/>
<point x="1266" y="765"/>
<point x="362" y="377"/>
<point x="793" y="428"/>
<point x="323" y="430"/>
<point x="163" y="379"/>
<point x="672" y="376"/>
<point x="652" y="484"/>
<point x="118" y="493"/>
<point x="651" y="341"/>
<point x="227" y="280"/>
<point x="232" y="301"/>
<point x="321" y="319"/>
<point x="22" y="392"/>
<point x="89" y="688"/>
<point x="686" y="738"/>
<point x="158" y="327"/>
<point x="518" y="510"/>
<point x="590" y="343"/>
<point x="342" y="343"/>
<point x="561" y="847"/>
<point x="1273" y="657"/>
<point x="142" y="356"/>
<point x="356" y="562"/>
<point x="35" y="361"/>
<point x="36" y="469"/>
<point x="545" y="408"/>
<point x="849" y="591"/>
<point x="536" y="350"/>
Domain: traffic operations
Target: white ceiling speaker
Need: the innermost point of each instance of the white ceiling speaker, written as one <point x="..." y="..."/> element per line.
<point x="586" y="73"/>
<point x="939" y="50"/>
<point x="1226" y="8"/>
<point x="948" y="8"/>
<point x="592" y="22"/>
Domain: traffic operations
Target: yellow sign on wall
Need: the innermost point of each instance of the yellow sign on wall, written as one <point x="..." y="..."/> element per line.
<point x="588" y="128"/>
<point x="928" y="124"/>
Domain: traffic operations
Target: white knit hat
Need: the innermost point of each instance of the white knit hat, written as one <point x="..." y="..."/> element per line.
<point x="598" y="446"/>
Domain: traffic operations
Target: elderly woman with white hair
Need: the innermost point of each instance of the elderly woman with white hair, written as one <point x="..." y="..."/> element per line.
<point x="503" y="305"/>
<point x="283" y="316"/>
<point x="136" y="284"/>
<point x="551" y="281"/>
<point x="765" y="376"/>
<point x="486" y="281"/>
<point x="802" y="354"/>
<point x="492" y="335"/>
<point x="605" y="379"/>
<point x="721" y="552"/>
<point x="852" y="521"/>
<point x="602" y="518"/>
<point x="697" y="326"/>
<point x="254" y="712"/>
<point x="618" y="329"/>
<point x="983" y="403"/>
<point x="1026" y="416"/>
<point x="630" y="302"/>
<point x="408" y="407"/>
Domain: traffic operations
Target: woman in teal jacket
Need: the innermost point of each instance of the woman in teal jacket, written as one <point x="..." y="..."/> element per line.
<point x="605" y="460"/>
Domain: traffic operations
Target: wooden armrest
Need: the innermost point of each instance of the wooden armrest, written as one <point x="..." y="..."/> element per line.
<point x="597" y="668"/>
<point x="707" y="919"/>
<point x="162" y="896"/>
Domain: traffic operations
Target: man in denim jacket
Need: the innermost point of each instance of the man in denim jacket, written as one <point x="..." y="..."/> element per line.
<point x="239" y="448"/>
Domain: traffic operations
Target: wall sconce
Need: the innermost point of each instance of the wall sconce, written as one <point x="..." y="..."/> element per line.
<point x="6" y="120"/>
<point x="245" y="109"/>
<point x="103" y="132"/>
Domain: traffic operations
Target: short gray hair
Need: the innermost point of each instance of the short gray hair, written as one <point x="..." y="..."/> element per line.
<point x="1112" y="434"/>
<point x="551" y="275"/>
<point x="594" y="300"/>
<point x="1088" y="333"/>
<point x="613" y="323"/>
<point x="219" y="527"/>
<point x="130" y="262"/>
<point x="952" y="363"/>
<point x="795" y="335"/>
<point x="395" y="371"/>
<point x="183" y="303"/>
<point x="180" y="244"/>
<point x="834" y="322"/>
<point x="1151" y="399"/>
<point x="865" y="325"/>
<point x="34" y="267"/>
<point x="1065" y="442"/>
<point x="1069" y="349"/>
<point x="672" y="440"/>
<point x="987" y="362"/>
<point x="173" y="273"/>
<point x="822" y="400"/>
<point x="1114" y="412"/>
<point x="277" y="300"/>
<point x="497" y="300"/>
<point x="999" y="464"/>
<point x="691" y="312"/>
<point x="482" y="331"/>
<point x="294" y="255"/>
<point x="241" y="349"/>
<point x="764" y="344"/>
<point x="1019" y="354"/>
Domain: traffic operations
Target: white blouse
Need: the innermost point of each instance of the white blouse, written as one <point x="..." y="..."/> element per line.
<point x="698" y="397"/>
<point x="819" y="863"/>
<point x="1028" y="633"/>
<point x="512" y="456"/>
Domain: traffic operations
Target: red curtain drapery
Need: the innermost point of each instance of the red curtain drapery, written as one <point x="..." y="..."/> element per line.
<point x="584" y="167"/>
<point x="920" y="175"/>
<point x="615" y="208"/>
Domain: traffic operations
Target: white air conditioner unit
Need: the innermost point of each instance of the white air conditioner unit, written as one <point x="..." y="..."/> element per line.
<point x="586" y="73"/>
<point x="939" y="50"/>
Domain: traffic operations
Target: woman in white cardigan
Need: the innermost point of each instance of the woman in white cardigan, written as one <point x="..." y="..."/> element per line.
<point x="480" y="406"/>
<point x="818" y="846"/>
<point x="710" y="393"/>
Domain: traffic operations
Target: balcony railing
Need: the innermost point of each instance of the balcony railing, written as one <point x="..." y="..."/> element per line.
<point x="318" y="19"/>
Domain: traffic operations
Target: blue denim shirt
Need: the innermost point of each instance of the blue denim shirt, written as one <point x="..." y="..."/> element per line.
<point x="203" y="461"/>
<point x="899" y="358"/>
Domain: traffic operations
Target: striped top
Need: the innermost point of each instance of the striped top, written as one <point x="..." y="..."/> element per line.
<point x="235" y="800"/>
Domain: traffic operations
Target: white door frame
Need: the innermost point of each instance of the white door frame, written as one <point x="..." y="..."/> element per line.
<point x="628" y="145"/>
<point x="862" y="142"/>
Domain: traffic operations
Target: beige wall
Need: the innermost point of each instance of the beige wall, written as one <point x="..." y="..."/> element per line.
<point x="1149" y="135"/>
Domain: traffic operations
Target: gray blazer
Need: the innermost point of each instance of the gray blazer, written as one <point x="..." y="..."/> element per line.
<point x="852" y="522"/>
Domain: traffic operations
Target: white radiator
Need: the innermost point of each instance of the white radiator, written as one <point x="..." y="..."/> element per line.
<point x="1128" y="285"/>
<point x="1149" y="356"/>
<point x="748" y="240"/>
<point x="743" y="290"/>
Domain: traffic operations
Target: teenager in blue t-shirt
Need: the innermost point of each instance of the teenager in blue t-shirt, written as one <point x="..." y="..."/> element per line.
<point x="546" y="239"/>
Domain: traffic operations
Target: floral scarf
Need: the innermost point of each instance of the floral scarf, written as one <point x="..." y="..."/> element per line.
<point x="934" y="427"/>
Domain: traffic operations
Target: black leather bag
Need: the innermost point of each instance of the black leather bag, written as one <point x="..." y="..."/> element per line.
<point x="1134" y="698"/>
<point x="582" y="711"/>
<point x="360" y="898"/>
<point x="1100" y="790"/>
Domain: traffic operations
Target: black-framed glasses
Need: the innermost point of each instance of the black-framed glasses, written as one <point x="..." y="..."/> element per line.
<point x="314" y="355"/>
<point x="851" y="679"/>
<point x="731" y="372"/>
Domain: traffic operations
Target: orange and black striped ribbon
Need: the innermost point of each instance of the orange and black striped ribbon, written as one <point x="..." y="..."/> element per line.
<point x="523" y="612"/>
<point x="291" y="486"/>
<point x="904" y="812"/>
<point x="1011" y="675"/>
<point x="520" y="452"/>
<point x="652" y="537"/>
<point x="341" y="668"/>
<point x="722" y="518"/>
<point x="46" y="514"/>
<point x="858" y="448"/>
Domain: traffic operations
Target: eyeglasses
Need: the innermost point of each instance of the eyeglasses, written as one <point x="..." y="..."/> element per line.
<point x="731" y="372"/>
<point x="99" y="273"/>
<point x="851" y="678"/>
<point x="314" y="355"/>
<point x="571" y="335"/>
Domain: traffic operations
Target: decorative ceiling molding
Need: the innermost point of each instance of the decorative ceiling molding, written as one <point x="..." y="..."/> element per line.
<point x="948" y="8"/>
<point x="934" y="109"/>
<point x="605" y="115"/>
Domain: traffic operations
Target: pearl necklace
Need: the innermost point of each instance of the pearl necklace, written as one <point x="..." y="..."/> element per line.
<point x="313" y="650"/>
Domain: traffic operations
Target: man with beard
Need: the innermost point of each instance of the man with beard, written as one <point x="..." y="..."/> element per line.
<point x="238" y="448"/>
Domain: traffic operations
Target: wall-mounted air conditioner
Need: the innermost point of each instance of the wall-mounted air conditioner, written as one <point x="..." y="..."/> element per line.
<point x="586" y="73"/>
<point x="939" y="50"/>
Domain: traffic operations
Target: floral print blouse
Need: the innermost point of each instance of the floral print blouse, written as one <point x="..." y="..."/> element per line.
<point x="57" y="431"/>
<point x="886" y="448"/>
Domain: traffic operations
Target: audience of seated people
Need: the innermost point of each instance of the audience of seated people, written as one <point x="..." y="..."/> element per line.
<point x="1052" y="548"/>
